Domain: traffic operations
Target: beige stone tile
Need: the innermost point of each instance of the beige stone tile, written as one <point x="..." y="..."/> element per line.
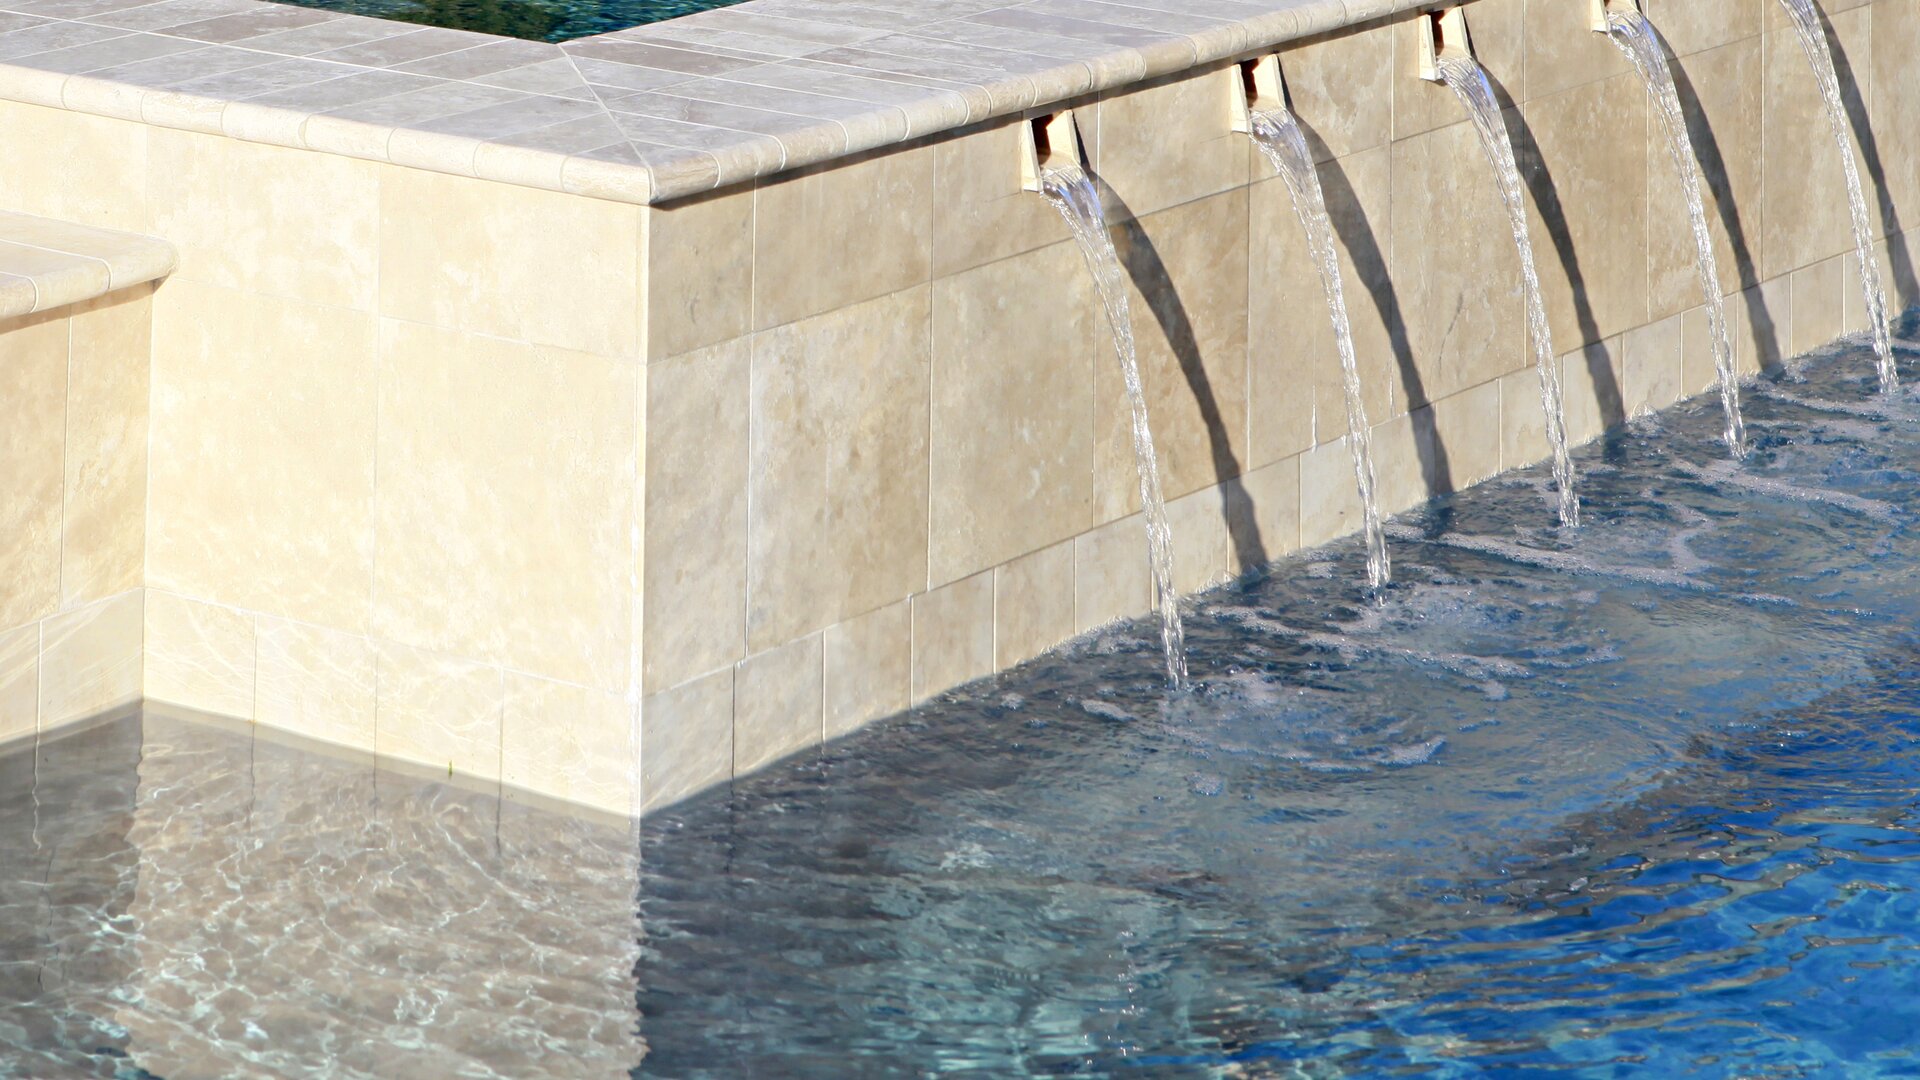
<point x="1853" y="306"/>
<point x="438" y="711"/>
<point x="1455" y="270"/>
<point x="1586" y="161"/>
<point x="1275" y="492"/>
<point x="1562" y="50"/>
<point x="1402" y="481"/>
<point x="1804" y="216"/>
<point x="1168" y="142"/>
<point x="315" y="682"/>
<point x="1652" y="366"/>
<point x="696" y="514"/>
<point x="1329" y="496"/>
<point x="1523" y="424"/>
<point x="1590" y="381"/>
<point x="1032" y="604"/>
<point x="800" y="265"/>
<point x="981" y="214"/>
<point x="199" y="655"/>
<point x="1341" y="90"/>
<point x="506" y="480"/>
<point x="952" y="635"/>
<point x="1467" y="424"/>
<point x="33" y="388"/>
<point x="268" y="219"/>
<point x="19" y="682"/>
<point x="103" y="546"/>
<point x="1817" y="317"/>
<point x="1297" y="396"/>
<point x="1721" y="93"/>
<point x="260" y="483"/>
<point x="568" y="742"/>
<point x="1699" y="371"/>
<point x="1762" y="339"/>
<point x="1205" y="552"/>
<point x="1498" y="31"/>
<point x="1111" y="579"/>
<point x="1014" y="352"/>
<point x="102" y="176"/>
<point x="90" y="659"/>
<point x="1692" y="26"/>
<point x="1189" y="305"/>
<point x="777" y="703"/>
<point x="513" y="262"/>
<point x="868" y="665"/>
<point x="700" y="272"/>
<point x="686" y="739"/>
<point x="838" y="473"/>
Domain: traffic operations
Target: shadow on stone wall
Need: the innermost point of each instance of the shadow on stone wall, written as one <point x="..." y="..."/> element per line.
<point x="1905" y="284"/>
<point x="1538" y="176"/>
<point x="1356" y="232"/>
<point x="1713" y="174"/>
<point x="1149" y="273"/>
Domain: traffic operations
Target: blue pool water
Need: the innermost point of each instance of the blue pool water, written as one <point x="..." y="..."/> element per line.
<point x="533" y="20"/>
<point x="1636" y="800"/>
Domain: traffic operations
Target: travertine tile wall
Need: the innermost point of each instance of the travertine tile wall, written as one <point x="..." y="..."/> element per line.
<point x="480" y="476"/>
<point x="887" y="444"/>
<point x="73" y="463"/>
<point x="391" y="482"/>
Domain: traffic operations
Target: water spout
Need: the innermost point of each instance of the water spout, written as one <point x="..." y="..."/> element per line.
<point x="1622" y="21"/>
<point x="1262" y="99"/>
<point x="1052" y="156"/>
<point x="1813" y="41"/>
<point x="1447" y="57"/>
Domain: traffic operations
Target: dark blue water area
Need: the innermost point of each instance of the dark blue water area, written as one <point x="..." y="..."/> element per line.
<point x="1637" y="799"/>
<point x="532" y="20"/>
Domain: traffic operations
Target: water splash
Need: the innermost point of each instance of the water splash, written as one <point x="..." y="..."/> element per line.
<point x="1071" y="192"/>
<point x="1813" y="41"/>
<point x="1463" y="76"/>
<point x="1278" y="136"/>
<point x="1635" y="37"/>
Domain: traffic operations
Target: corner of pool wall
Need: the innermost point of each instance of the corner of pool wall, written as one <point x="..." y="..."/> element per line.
<point x="1049" y="141"/>
<point x="1446" y="36"/>
<point x="1258" y="86"/>
<point x="1599" y="10"/>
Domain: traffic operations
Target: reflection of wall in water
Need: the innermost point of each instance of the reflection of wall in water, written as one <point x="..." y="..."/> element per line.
<point x="198" y="903"/>
<point x="67" y="874"/>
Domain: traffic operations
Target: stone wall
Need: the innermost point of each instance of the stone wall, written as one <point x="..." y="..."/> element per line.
<point x="73" y="463"/>
<point x="887" y="441"/>
<point x="477" y="476"/>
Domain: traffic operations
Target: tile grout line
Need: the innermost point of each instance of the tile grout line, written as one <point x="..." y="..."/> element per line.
<point x="66" y="454"/>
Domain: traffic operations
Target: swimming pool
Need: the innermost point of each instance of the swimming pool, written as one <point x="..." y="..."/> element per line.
<point x="1632" y="800"/>
<point x="533" y="20"/>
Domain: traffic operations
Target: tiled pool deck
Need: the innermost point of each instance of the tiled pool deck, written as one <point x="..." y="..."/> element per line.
<point x="643" y="115"/>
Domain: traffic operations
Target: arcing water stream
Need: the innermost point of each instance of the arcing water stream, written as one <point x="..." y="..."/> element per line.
<point x="1278" y="136"/>
<point x="1463" y="76"/>
<point x="1813" y="40"/>
<point x="1071" y="191"/>
<point x="1631" y="31"/>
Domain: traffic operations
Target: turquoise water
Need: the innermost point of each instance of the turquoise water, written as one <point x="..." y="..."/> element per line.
<point x="1633" y="800"/>
<point x="534" y="20"/>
